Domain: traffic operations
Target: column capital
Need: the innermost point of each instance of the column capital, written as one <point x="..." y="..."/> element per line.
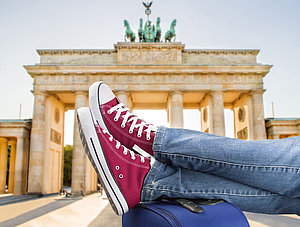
<point x="12" y="142"/>
<point x="260" y="91"/>
<point x="80" y="93"/>
<point x="43" y="93"/>
<point x="120" y="92"/>
<point x="3" y="140"/>
<point x="212" y="92"/>
<point x="175" y="92"/>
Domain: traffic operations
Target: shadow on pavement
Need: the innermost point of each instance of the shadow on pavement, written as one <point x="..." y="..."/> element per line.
<point x="37" y="212"/>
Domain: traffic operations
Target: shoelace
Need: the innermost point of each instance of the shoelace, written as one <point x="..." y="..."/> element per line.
<point x="120" y="108"/>
<point x="125" y="151"/>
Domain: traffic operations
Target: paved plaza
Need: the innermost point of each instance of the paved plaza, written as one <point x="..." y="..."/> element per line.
<point x="93" y="210"/>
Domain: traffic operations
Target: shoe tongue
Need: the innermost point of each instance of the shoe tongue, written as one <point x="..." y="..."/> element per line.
<point x="115" y="102"/>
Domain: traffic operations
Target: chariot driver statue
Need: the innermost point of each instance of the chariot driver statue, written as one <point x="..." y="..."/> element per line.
<point x="149" y="33"/>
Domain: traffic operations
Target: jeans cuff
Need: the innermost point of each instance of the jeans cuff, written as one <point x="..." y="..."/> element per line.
<point x="149" y="180"/>
<point x="159" y="136"/>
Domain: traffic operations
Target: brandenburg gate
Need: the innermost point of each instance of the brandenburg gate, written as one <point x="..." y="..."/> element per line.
<point x="144" y="76"/>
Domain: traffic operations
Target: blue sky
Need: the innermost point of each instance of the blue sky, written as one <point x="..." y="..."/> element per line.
<point x="269" y="25"/>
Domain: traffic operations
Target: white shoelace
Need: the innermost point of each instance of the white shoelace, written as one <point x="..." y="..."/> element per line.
<point x="125" y="151"/>
<point x="120" y="108"/>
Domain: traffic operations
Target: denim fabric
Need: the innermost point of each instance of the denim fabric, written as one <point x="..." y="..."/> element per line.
<point x="258" y="176"/>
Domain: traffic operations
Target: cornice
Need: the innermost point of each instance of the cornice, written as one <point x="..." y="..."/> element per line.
<point x="272" y="123"/>
<point x="26" y="125"/>
<point x="223" y="51"/>
<point x="74" y="51"/>
<point x="122" y="45"/>
<point x="125" y="45"/>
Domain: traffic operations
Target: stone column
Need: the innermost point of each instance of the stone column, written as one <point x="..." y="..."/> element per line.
<point x="79" y="157"/>
<point x="12" y="164"/>
<point x="3" y="163"/>
<point x="37" y="144"/>
<point x="125" y="98"/>
<point x="176" y="110"/>
<point x="259" y="127"/>
<point x="19" y="166"/>
<point x="218" y="113"/>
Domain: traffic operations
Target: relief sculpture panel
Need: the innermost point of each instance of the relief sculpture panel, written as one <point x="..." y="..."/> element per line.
<point x="149" y="57"/>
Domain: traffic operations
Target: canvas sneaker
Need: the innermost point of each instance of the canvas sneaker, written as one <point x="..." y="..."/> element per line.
<point x="121" y="171"/>
<point x="132" y="131"/>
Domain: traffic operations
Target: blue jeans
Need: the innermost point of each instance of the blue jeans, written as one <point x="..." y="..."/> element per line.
<point x="257" y="176"/>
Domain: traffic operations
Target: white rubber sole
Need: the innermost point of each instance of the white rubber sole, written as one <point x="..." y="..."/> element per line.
<point x="94" y="101"/>
<point x="95" y="154"/>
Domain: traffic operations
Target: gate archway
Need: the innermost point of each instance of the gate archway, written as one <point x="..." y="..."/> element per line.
<point x="144" y="76"/>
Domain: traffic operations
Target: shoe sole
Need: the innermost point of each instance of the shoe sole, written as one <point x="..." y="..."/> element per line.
<point x="95" y="104"/>
<point x="95" y="154"/>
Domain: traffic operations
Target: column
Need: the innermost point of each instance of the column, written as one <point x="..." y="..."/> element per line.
<point x="19" y="166"/>
<point x="259" y="127"/>
<point x="3" y="163"/>
<point x="218" y="113"/>
<point x="125" y="98"/>
<point x="90" y="176"/>
<point x="176" y="110"/>
<point x="37" y="144"/>
<point x="79" y="157"/>
<point x="12" y="163"/>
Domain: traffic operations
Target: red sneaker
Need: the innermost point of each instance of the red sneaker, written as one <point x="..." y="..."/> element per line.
<point x="120" y="170"/>
<point x="108" y="112"/>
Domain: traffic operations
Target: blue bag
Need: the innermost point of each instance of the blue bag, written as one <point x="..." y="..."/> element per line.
<point x="169" y="213"/>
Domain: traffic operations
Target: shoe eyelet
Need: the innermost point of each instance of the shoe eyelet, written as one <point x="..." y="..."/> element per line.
<point x="115" y="119"/>
<point x="120" y="176"/>
<point x="117" y="167"/>
<point x="139" y="135"/>
<point x="143" y="160"/>
<point x="109" y="112"/>
<point x="125" y="152"/>
<point x="148" y="138"/>
<point x="133" y="158"/>
<point x="123" y="126"/>
<point x="130" y="131"/>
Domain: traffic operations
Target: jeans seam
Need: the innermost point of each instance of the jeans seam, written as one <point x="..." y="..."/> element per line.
<point x="211" y="193"/>
<point x="159" y="137"/>
<point x="228" y="163"/>
<point x="152" y="177"/>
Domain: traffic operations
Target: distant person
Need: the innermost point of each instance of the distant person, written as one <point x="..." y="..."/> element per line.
<point x="257" y="176"/>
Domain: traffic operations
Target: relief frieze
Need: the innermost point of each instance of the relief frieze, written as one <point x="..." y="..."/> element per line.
<point x="149" y="57"/>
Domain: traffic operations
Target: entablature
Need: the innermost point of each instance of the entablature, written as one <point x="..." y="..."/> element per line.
<point x="37" y="70"/>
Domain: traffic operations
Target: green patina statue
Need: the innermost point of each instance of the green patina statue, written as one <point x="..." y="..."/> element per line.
<point x="129" y="34"/>
<point x="171" y="32"/>
<point x="149" y="33"/>
<point x="141" y="31"/>
<point x="157" y="34"/>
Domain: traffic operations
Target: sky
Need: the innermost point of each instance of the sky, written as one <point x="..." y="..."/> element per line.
<point x="269" y="25"/>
